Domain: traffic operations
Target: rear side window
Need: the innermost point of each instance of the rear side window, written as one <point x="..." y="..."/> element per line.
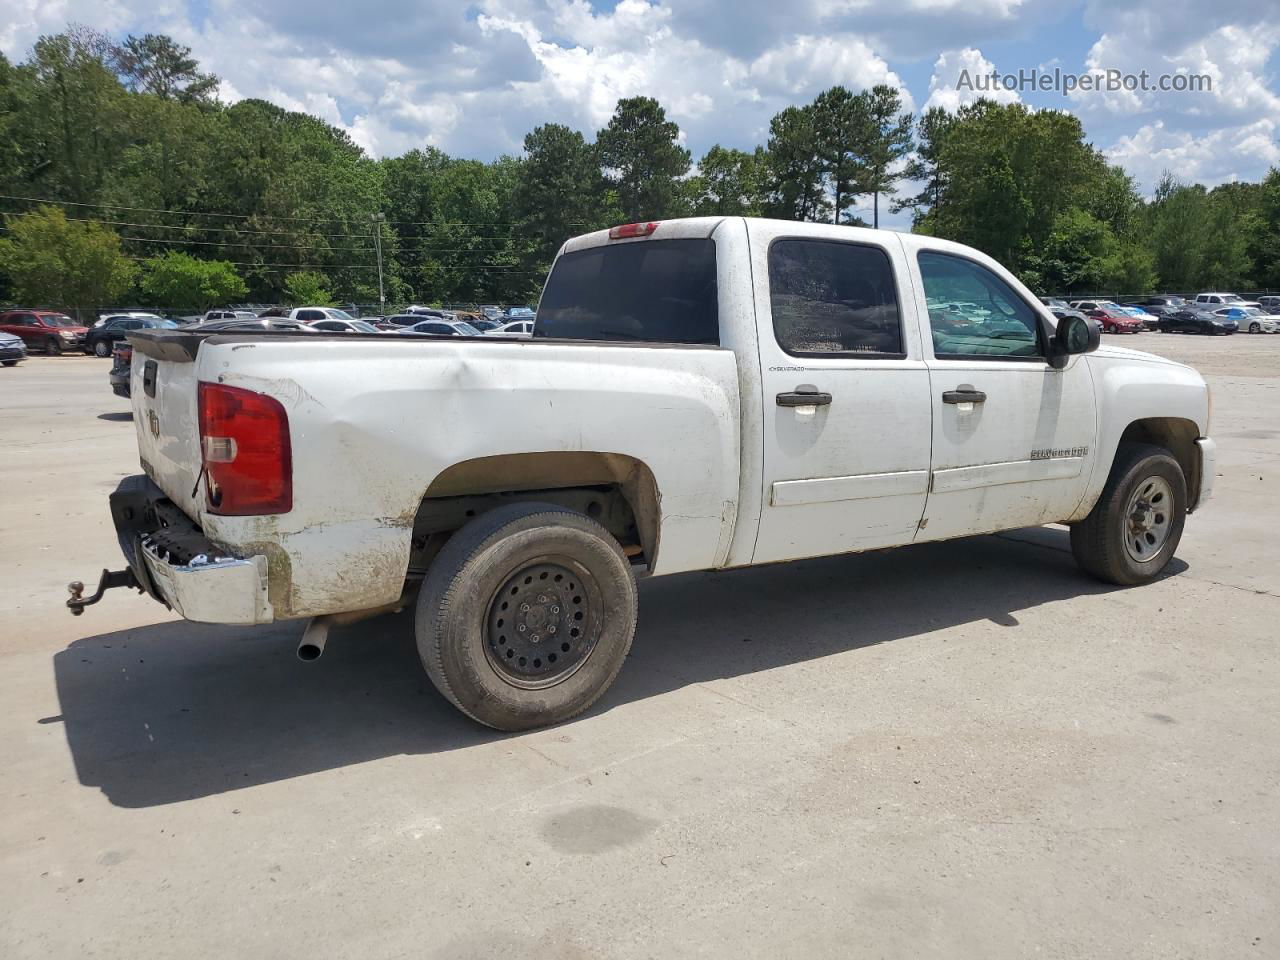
<point x="832" y="297"/>
<point x="660" y="291"/>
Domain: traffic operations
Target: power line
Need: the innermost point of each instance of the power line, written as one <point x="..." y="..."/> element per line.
<point x="270" y="216"/>
<point x="243" y="230"/>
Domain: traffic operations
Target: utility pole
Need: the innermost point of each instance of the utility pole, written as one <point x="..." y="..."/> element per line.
<point x="378" y="219"/>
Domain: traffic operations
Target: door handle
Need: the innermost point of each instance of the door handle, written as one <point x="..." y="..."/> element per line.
<point x="804" y="398"/>
<point x="964" y="394"/>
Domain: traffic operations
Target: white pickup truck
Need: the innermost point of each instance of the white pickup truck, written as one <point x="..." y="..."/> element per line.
<point x="698" y="394"/>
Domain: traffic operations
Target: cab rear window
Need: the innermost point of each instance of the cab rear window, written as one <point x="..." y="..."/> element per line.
<point x="660" y="291"/>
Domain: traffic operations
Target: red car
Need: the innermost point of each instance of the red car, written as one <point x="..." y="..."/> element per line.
<point x="45" y="330"/>
<point x="1110" y="316"/>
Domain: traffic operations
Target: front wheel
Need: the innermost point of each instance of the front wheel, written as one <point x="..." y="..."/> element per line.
<point x="10" y="363"/>
<point x="526" y="615"/>
<point x="1131" y="533"/>
<point x="102" y="349"/>
<point x="53" y="346"/>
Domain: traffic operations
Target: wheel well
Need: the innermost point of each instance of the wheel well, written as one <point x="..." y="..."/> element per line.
<point x="616" y="490"/>
<point x="1176" y="435"/>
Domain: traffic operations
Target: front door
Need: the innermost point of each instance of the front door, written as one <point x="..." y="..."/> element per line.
<point x="1013" y="438"/>
<point x="845" y="394"/>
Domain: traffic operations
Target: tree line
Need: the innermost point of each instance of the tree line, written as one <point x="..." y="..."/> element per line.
<point x="122" y="177"/>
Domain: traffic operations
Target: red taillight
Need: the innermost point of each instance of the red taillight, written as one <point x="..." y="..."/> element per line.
<point x="244" y="445"/>
<point x="633" y="230"/>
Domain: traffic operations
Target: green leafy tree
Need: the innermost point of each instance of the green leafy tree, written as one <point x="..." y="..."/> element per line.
<point x="51" y="260"/>
<point x="925" y="165"/>
<point x="795" y="167"/>
<point x="558" y="192"/>
<point x="183" y="282"/>
<point x="1263" y="232"/>
<point x="841" y="124"/>
<point x="643" y="159"/>
<point x="729" y="183"/>
<point x="886" y="140"/>
<point x="307" y="289"/>
<point x="157" y="64"/>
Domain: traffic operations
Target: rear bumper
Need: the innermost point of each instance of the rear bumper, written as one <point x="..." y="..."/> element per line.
<point x="177" y="565"/>
<point x="1208" y="471"/>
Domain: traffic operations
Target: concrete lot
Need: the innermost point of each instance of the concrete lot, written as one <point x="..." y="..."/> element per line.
<point x="956" y="750"/>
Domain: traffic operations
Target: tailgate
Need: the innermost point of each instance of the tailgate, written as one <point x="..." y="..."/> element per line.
<point x="163" y="388"/>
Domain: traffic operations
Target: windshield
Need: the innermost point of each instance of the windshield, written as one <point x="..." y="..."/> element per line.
<point x="364" y="327"/>
<point x="1232" y="298"/>
<point x="339" y="314"/>
<point x="57" y="320"/>
<point x="160" y="324"/>
<point x="466" y="329"/>
<point x="661" y="291"/>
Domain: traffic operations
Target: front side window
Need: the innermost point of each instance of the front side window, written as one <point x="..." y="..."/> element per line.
<point x="986" y="318"/>
<point x="655" y="291"/>
<point x="829" y="297"/>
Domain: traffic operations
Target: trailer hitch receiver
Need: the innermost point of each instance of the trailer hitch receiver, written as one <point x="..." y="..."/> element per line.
<point x="109" y="579"/>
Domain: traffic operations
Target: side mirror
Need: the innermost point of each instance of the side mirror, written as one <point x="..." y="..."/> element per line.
<point x="1073" y="335"/>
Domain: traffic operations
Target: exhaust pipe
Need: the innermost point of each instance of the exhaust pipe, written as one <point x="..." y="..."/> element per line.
<point x="311" y="646"/>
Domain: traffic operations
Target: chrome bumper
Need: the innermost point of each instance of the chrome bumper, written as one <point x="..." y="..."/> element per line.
<point x="216" y="590"/>
<point x="173" y="561"/>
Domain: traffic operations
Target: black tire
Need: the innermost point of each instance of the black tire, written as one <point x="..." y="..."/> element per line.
<point x="11" y="363"/>
<point x="102" y="349"/>
<point x="459" y="606"/>
<point x="53" y="347"/>
<point x="1099" y="540"/>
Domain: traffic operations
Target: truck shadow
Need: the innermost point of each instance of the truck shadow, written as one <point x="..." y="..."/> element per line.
<point x="175" y="711"/>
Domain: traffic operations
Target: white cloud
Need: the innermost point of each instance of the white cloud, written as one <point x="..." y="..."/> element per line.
<point x="1220" y="156"/>
<point x="961" y="77"/>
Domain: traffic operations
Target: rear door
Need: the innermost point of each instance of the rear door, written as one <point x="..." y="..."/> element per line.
<point x="1013" y="438"/>
<point x="845" y="391"/>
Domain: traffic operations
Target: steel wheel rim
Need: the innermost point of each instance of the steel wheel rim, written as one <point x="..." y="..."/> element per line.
<point x="543" y="622"/>
<point x="100" y="349"/>
<point x="1148" y="519"/>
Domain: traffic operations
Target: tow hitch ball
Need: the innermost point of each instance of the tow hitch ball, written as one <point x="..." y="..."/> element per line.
<point x="109" y="579"/>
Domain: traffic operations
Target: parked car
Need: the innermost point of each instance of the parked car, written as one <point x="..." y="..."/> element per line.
<point x="1197" y="321"/>
<point x="343" y="326"/>
<point x="1161" y="305"/>
<point x="397" y="320"/>
<point x="436" y="312"/>
<point x="1148" y="320"/>
<point x="483" y="324"/>
<point x="106" y="315"/>
<point x="98" y="340"/>
<point x="12" y="350"/>
<point x="491" y="311"/>
<point x="248" y="326"/>
<point x="1270" y="304"/>
<point x="1251" y="319"/>
<point x="121" y="363"/>
<point x="519" y="313"/>
<point x="440" y="328"/>
<point x="516" y="491"/>
<point x="51" y="332"/>
<point x="1223" y="299"/>
<point x="227" y="314"/>
<point x="1111" y="316"/>
<point x="519" y="330"/>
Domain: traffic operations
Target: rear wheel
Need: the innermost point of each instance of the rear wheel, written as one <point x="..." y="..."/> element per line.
<point x="10" y="363"/>
<point x="1133" y="530"/>
<point x="53" y="346"/>
<point x="526" y="616"/>
<point x="102" y="349"/>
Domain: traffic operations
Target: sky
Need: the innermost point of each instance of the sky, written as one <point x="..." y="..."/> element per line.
<point x="473" y="77"/>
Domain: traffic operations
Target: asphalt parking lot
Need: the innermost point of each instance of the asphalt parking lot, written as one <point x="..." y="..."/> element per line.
<point x="963" y="749"/>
